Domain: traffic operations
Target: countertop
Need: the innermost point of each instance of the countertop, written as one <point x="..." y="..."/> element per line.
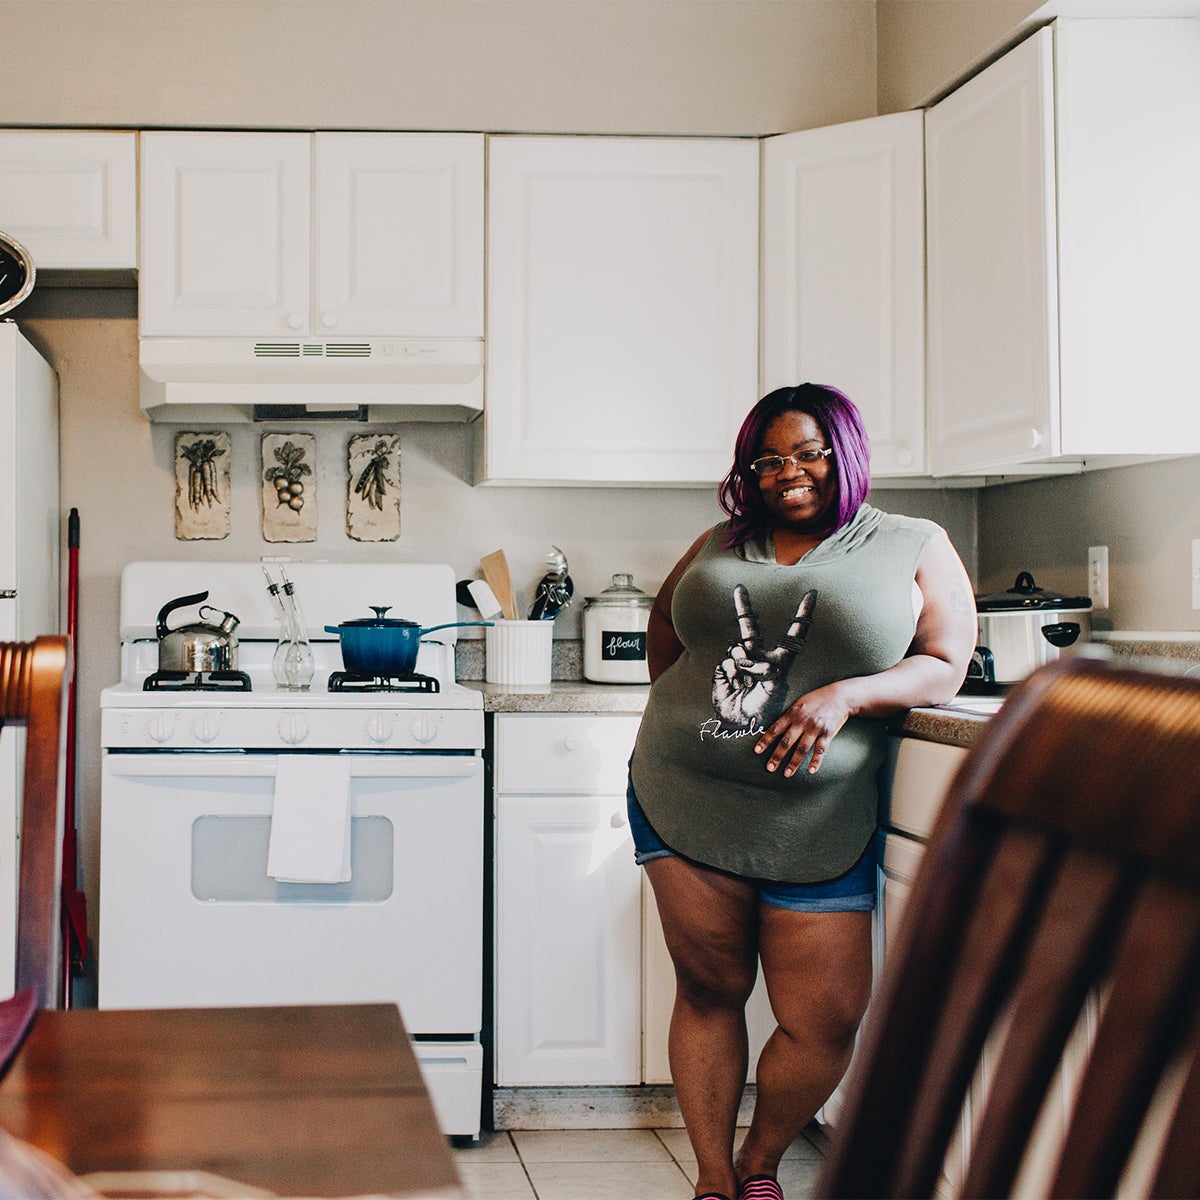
<point x="950" y="725"/>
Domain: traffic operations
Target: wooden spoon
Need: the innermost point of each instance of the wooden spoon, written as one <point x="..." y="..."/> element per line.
<point x="496" y="572"/>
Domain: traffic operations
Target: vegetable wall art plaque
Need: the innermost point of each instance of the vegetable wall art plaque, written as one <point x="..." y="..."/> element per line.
<point x="201" y="486"/>
<point x="289" y="488"/>
<point x="373" y="490"/>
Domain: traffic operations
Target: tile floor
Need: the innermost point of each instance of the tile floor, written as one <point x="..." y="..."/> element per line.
<point x="595" y="1164"/>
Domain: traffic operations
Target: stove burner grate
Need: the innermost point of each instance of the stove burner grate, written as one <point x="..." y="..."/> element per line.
<point x="349" y="681"/>
<point x="197" y="681"/>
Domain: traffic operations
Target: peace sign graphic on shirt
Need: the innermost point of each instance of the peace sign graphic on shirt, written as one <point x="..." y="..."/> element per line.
<point x="750" y="683"/>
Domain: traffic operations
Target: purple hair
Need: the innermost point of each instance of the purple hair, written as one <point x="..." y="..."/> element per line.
<point x="842" y="424"/>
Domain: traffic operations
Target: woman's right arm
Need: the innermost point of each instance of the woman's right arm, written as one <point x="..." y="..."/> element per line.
<point x="663" y="646"/>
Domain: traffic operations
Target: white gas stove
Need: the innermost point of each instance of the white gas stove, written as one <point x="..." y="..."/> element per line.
<point x="261" y="845"/>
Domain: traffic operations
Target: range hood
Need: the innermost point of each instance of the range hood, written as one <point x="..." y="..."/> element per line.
<point x="228" y="380"/>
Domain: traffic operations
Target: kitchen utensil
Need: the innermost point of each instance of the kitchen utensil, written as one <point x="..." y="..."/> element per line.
<point x="484" y="599"/>
<point x="614" y="633"/>
<point x="499" y="578"/>
<point x="384" y="647"/>
<point x="1026" y="627"/>
<point x="200" y="646"/>
<point x="555" y="589"/>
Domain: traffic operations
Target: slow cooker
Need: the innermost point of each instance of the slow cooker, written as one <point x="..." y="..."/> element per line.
<point x="1025" y="627"/>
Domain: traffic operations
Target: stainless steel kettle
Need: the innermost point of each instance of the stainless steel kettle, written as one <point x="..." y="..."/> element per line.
<point x="200" y="646"/>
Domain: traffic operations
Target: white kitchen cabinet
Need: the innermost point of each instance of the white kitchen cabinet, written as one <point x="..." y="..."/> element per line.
<point x="322" y="235"/>
<point x="1062" y="185"/>
<point x="843" y="270"/>
<point x="568" y="909"/>
<point x="71" y="198"/>
<point x="622" y="308"/>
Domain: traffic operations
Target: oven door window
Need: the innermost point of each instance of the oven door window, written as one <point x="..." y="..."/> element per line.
<point x="229" y="856"/>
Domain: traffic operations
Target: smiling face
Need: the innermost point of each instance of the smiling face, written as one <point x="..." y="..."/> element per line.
<point x="798" y="497"/>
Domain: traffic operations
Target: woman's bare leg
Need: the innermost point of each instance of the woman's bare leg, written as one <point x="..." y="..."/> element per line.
<point x="710" y="922"/>
<point x="817" y="968"/>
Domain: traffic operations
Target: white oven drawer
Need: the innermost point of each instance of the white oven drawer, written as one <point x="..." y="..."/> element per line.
<point x="188" y="916"/>
<point x="453" y="1073"/>
<point x="585" y="753"/>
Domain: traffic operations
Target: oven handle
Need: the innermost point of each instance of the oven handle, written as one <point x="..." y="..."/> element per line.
<point x="383" y="766"/>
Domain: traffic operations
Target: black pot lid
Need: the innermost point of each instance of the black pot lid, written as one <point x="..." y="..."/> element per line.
<point x="1025" y="594"/>
<point x="380" y="621"/>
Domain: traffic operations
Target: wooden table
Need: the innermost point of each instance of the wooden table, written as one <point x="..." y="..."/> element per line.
<point x="302" y="1101"/>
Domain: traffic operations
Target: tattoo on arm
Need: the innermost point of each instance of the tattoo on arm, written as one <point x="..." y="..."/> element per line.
<point x="961" y="602"/>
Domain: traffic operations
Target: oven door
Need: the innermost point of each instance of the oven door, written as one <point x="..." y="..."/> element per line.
<point x="189" y="916"/>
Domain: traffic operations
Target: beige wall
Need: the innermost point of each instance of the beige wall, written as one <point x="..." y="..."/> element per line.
<point x="925" y="45"/>
<point x="573" y="66"/>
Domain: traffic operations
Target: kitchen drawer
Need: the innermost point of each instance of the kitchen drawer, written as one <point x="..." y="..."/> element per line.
<point x="564" y="753"/>
<point x="914" y="783"/>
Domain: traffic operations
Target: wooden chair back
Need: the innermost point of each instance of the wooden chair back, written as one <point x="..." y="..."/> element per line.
<point x="33" y="684"/>
<point x="1062" y="877"/>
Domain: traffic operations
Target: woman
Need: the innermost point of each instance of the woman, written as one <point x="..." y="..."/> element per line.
<point x="777" y="645"/>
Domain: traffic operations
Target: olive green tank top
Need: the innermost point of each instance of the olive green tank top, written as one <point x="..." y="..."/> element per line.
<point x="756" y="636"/>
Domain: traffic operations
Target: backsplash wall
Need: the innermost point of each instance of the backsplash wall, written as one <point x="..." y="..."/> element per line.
<point x="1147" y="516"/>
<point x="118" y="470"/>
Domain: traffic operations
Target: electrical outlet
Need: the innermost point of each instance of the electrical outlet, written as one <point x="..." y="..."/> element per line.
<point x="1098" y="575"/>
<point x="1196" y="572"/>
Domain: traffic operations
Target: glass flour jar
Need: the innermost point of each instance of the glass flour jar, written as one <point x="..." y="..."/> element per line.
<point x="614" y="633"/>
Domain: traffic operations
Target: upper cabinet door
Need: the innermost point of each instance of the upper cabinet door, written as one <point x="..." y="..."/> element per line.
<point x="1128" y="96"/>
<point x="993" y="315"/>
<point x="399" y="245"/>
<point x="225" y="234"/>
<point x="622" y="308"/>
<point x="71" y="198"/>
<point x="844" y="275"/>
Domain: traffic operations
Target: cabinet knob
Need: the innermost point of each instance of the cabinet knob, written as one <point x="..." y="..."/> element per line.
<point x="618" y="820"/>
<point x="904" y="457"/>
<point x="329" y="320"/>
<point x="1035" y="438"/>
<point x="569" y="742"/>
<point x="295" y="321"/>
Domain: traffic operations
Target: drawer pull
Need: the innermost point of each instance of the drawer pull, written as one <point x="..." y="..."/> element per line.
<point x="569" y="742"/>
<point x="618" y="820"/>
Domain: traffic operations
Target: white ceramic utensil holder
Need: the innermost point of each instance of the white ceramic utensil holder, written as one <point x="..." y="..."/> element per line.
<point x="518" y="652"/>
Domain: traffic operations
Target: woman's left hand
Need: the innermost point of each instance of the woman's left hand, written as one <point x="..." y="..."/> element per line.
<point x="809" y="725"/>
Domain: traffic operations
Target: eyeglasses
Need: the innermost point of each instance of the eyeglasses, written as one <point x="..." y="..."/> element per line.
<point x="772" y="464"/>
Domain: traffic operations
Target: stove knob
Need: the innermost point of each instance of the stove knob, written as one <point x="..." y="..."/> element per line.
<point x="160" y="727"/>
<point x="293" y="728"/>
<point x="206" y="726"/>
<point x="424" y="729"/>
<point x="380" y="727"/>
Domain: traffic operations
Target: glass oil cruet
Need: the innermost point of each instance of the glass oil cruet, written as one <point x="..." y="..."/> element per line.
<point x="292" y="664"/>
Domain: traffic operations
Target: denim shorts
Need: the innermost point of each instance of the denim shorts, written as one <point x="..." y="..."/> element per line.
<point x="852" y="892"/>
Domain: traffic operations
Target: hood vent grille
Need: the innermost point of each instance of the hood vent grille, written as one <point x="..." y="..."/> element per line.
<point x="291" y="378"/>
<point x="312" y="350"/>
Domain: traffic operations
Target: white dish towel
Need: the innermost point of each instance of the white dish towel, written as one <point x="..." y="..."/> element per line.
<point x="310" y="820"/>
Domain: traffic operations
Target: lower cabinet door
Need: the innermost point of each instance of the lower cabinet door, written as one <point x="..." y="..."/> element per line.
<point x="568" y="942"/>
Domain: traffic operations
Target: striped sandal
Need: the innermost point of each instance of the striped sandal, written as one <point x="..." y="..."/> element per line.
<point x="713" y="1196"/>
<point x="760" y="1187"/>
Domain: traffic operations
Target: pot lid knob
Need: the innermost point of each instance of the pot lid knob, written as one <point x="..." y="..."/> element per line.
<point x="380" y="610"/>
